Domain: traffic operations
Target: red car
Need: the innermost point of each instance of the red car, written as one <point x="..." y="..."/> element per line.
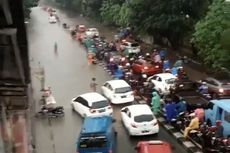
<point x="155" y="146"/>
<point x="144" y="67"/>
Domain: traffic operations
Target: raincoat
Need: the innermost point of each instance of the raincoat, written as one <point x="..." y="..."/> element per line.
<point x="170" y="110"/>
<point x="155" y="103"/>
<point x="181" y="107"/>
<point x="174" y="71"/>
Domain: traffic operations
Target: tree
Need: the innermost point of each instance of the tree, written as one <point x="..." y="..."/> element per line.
<point x="172" y="19"/>
<point x="208" y="34"/>
<point x="28" y="4"/>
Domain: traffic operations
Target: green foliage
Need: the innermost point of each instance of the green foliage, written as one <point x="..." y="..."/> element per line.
<point x="172" y="19"/>
<point x="27" y="6"/>
<point x="208" y="34"/>
<point x="115" y="13"/>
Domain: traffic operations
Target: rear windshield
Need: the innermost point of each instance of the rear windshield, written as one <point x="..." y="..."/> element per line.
<point x="93" y="142"/>
<point x="144" y="118"/>
<point x="170" y="81"/>
<point x="122" y="90"/>
<point x="134" y="45"/>
<point x="99" y="104"/>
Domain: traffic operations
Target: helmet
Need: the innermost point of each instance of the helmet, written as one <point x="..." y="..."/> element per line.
<point x="147" y="54"/>
<point x="144" y="76"/>
<point x="204" y="83"/>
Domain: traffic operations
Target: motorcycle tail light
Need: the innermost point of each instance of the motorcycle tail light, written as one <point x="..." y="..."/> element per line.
<point x="92" y="111"/>
<point x="133" y="125"/>
<point x="221" y="90"/>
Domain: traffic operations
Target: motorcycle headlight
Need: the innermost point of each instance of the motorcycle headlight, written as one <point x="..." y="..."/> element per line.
<point x="145" y="68"/>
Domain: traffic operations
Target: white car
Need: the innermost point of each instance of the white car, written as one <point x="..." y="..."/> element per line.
<point x="118" y="91"/>
<point x="52" y="19"/>
<point x="91" y="104"/>
<point x="133" y="47"/>
<point x="92" y="32"/>
<point x="163" y="82"/>
<point x="139" y="120"/>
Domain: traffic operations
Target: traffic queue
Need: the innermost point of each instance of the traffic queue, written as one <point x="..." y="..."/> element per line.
<point x="192" y="107"/>
<point x="165" y="86"/>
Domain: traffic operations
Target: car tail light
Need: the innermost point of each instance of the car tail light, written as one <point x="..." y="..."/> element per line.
<point x="221" y="90"/>
<point x="92" y="110"/>
<point x="134" y="125"/>
<point x="110" y="151"/>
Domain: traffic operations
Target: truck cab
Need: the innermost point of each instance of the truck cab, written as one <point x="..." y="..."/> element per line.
<point x="219" y="110"/>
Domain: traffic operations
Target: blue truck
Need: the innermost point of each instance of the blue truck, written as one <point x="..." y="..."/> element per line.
<point x="219" y="110"/>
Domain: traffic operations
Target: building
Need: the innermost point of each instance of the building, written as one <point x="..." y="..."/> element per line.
<point x="14" y="79"/>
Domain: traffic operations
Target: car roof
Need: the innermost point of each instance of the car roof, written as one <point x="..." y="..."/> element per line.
<point x="96" y="124"/>
<point x="222" y="103"/>
<point x="165" y="75"/>
<point x="92" y="97"/>
<point x="156" y="146"/>
<point x="118" y="83"/>
<point x="139" y="109"/>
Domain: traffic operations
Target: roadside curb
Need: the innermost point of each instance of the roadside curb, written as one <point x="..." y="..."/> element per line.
<point x="188" y="145"/>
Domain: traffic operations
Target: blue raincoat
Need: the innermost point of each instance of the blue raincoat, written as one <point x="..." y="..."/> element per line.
<point x="170" y="110"/>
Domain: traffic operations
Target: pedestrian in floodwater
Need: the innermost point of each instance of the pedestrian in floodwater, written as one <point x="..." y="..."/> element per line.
<point x="55" y="48"/>
<point x="93" y="85"/>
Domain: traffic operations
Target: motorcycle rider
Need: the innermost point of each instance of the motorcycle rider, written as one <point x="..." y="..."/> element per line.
<point x="219" y="129"/>
<point x="181" y="106"/>
<point x="203" y="89"/>
<point x="170" y="110"/>
<point x="193" y="125"/>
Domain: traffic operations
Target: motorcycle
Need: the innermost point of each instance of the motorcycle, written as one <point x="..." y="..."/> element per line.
<point x="50" y="112"/>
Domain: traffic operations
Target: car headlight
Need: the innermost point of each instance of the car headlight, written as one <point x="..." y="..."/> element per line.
<point x="221" y="90"/>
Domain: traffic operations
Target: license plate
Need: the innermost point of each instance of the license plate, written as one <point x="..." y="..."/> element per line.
<point x="145" y="131"/>
<point x="123" y="96"/>
<point x="101" y="110"/>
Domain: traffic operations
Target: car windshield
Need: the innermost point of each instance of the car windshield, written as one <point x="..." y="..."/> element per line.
<point x="93" y="142"/>
<point x="144" y="118"/>
<point x="170" y="81"/>
<point x="99" y="104"/>
<point x="122" y="90"/>
<point x="134" y="45"/>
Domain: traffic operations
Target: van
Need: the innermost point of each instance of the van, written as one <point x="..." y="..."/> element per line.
<point x="97" y="136"/>
<point x="219" y="110"/>
<point x="153" y="146"/>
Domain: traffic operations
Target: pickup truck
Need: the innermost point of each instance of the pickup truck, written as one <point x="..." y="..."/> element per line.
<point x="187" y="90"/>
